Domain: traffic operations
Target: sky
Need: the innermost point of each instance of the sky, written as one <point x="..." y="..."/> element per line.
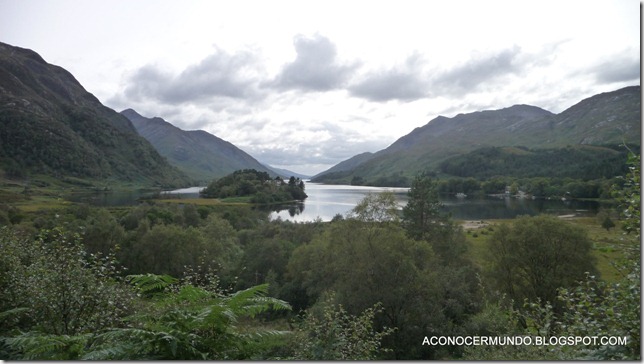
<point x="304" y="85"/>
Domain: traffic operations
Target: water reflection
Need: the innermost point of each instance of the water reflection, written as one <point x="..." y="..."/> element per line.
<point x="507" y="208"/>
<point x="326" y="201"/>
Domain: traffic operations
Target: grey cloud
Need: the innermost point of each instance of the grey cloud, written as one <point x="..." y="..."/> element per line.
<point x="387" y="86"/>
<point x="315" y="68"/>
<point x="218" y="75"/>
<point x="331" y="152"/>
<point x="476" y="72"/>
<point x="404" y="83"/>
<point x="621" y="69"/>
<point x="293" y="149"/>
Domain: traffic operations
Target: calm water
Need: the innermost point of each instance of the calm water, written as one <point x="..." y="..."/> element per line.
<point x="127" y="198"/>
<point x="325" y="201"/>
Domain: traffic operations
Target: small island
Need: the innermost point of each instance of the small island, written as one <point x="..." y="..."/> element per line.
<point x="256" y="187"/>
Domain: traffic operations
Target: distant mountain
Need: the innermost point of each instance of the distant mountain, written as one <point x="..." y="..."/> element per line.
<point x="608" y="118"/>
<point x="49" y="124"/>
<point x="285" y="173"/>
<point x="200" y="155"/>
<point x="347" y="165"/>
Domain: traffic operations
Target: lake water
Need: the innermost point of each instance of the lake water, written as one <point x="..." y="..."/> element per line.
<point x="325" y="201"/>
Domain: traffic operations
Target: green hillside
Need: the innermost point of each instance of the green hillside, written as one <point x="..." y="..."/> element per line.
<point x="578" y="162"/>
<point x="50" y="125"/>
<point x="199" y="154"/>
<point x="605" y="119"/>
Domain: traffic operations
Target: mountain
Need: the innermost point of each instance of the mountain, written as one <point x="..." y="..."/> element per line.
<point x="580" y="162"/>
<point x="285" y="173"/>
<point x="347" y="165"/>
<point x="49" y="124"/>
<point x="200" y="155"/>
<point x="607" y="118"/>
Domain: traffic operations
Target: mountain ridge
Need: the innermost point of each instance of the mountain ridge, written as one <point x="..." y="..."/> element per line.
<point x="199" y="154"/>
<point x="610" y="117"/>
<point x="51" y="125"/>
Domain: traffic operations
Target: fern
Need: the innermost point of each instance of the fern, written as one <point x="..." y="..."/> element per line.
<point x="253" y="301"/>
<point x="36" y="346"/>
<point x="184" y="322"/>
<point x="149" y="284"/>
<point x="12" y="312"/>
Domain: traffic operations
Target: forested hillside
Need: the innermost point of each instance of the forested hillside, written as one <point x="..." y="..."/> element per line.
<point x="199" y="154"/>
<point x="611" y="118"/>
<point x="582" y="162"/>
<point x="49" y="124"/>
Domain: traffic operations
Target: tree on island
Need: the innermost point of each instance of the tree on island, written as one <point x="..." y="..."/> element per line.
<point x="257" y="186"/>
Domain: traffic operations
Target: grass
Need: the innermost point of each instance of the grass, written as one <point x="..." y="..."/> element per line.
<point x="240" y="201"/>
<point x="608" y="246"/>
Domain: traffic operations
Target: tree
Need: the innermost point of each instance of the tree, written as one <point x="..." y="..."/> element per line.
<point x="589" y="308"/>
<point x="421" y="216"/>
<point x="177" y="321"/>
<point x="167" y="249"/>
<point x="329" y="332"/>
<point x="423" y="220"/>
<point x="221" y="246"/>
<point x="608" y="223"/>
<point x="102" y="233"/>
<point x="537" y="255"/>
<point x="379" y="207"/>
<point x="365" y="263"/>
<point x="64" y="290"/>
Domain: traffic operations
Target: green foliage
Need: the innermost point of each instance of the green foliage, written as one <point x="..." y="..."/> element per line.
<point x="66" y="290"/>
<point x="423" y="220"/>
<point x="607" y="223"/>
<point x="391" y="180"/>
<point x="102" y="233"/>
<point x="149" y="284"/>
<point x="329" y="332"/>
<point x="189" y="322"/>
<point x="597" y="308"/>
<point x="258" y="185"/>
<point x="421" y="215"/>
<point x="590" y="308"/>
<point x="579" y="162"/>
<point x="537" y="255"/>
<point x="629" y="196"/>
<point x="364" y="263"/>
<point x="174" y="321"/>
<point x="381" y="207"/>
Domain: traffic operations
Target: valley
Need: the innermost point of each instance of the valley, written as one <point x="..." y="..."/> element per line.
<point x="491" y="223"/>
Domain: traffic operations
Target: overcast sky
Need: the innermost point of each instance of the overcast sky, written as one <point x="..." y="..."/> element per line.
<point x="304" y="85"/>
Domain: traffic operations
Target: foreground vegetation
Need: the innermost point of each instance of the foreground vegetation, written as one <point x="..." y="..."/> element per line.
<point x="185" y="281"/>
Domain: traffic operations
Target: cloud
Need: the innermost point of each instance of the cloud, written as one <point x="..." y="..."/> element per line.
<point x="302" y="144"/>
<point x="412" y="81"/>
<point x="404" y="82"/>
<point x="220" y="75"/>
<point x="315" y="68"/>
<point x="621" y="68"/>
<point x="480" y="71"/>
